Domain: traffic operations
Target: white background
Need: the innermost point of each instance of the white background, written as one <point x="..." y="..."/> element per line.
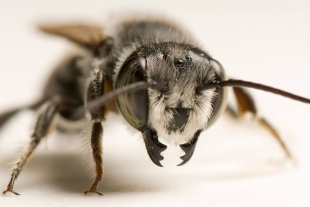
<point x="235" y="164"/>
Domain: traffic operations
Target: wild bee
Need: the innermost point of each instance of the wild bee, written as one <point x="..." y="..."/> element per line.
<point x="150" y="71"/>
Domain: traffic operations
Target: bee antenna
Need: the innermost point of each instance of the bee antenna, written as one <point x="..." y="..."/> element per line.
<point x="141" y="85"/>
<point x="247" y="84"/>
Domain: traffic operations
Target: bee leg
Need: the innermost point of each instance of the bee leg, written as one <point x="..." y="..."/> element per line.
<point x="96" y="144"/>
<point x="4" y="117"/>
<point x="96" y="89"/>
<point x="246" y="104"/>
<point x="42" y="128"/>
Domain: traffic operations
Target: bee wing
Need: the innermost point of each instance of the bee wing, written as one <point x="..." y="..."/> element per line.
<point x="88" y="36"/>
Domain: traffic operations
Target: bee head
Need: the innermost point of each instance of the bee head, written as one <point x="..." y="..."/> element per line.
<point x="180" y="108"/>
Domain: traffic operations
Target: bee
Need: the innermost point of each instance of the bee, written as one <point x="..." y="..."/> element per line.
<point x="150" y="71"/>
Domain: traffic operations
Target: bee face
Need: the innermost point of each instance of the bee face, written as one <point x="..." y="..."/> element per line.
<point x="179" y="110"/>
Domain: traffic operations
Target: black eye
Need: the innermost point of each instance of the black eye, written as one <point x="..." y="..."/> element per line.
<point x="165" y="56"/>
<point x="134" y="106"/>
<point x="179" y="63"/>
<point x="182" y="63"/>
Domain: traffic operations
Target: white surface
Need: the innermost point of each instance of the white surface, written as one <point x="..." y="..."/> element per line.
<point x="234" y="164"/>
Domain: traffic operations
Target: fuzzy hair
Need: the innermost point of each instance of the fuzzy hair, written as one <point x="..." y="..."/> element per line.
<point x="175" y="34"/>
<point x="181" y="90"/>
<point x="182" y="84"/>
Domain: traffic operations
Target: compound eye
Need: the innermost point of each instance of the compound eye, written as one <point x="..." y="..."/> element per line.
<point x="134" y="106"/>
<point x="219" y="102"/>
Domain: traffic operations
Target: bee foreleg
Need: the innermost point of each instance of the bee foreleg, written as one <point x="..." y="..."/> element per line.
<point x="95" y="90"/>
<point x="96" y="144"/>
<point x="246" y="104"/>
<point x="42" y="128"/>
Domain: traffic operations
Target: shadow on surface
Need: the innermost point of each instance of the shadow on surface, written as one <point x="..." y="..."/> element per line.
<point x="66" y="172"/>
